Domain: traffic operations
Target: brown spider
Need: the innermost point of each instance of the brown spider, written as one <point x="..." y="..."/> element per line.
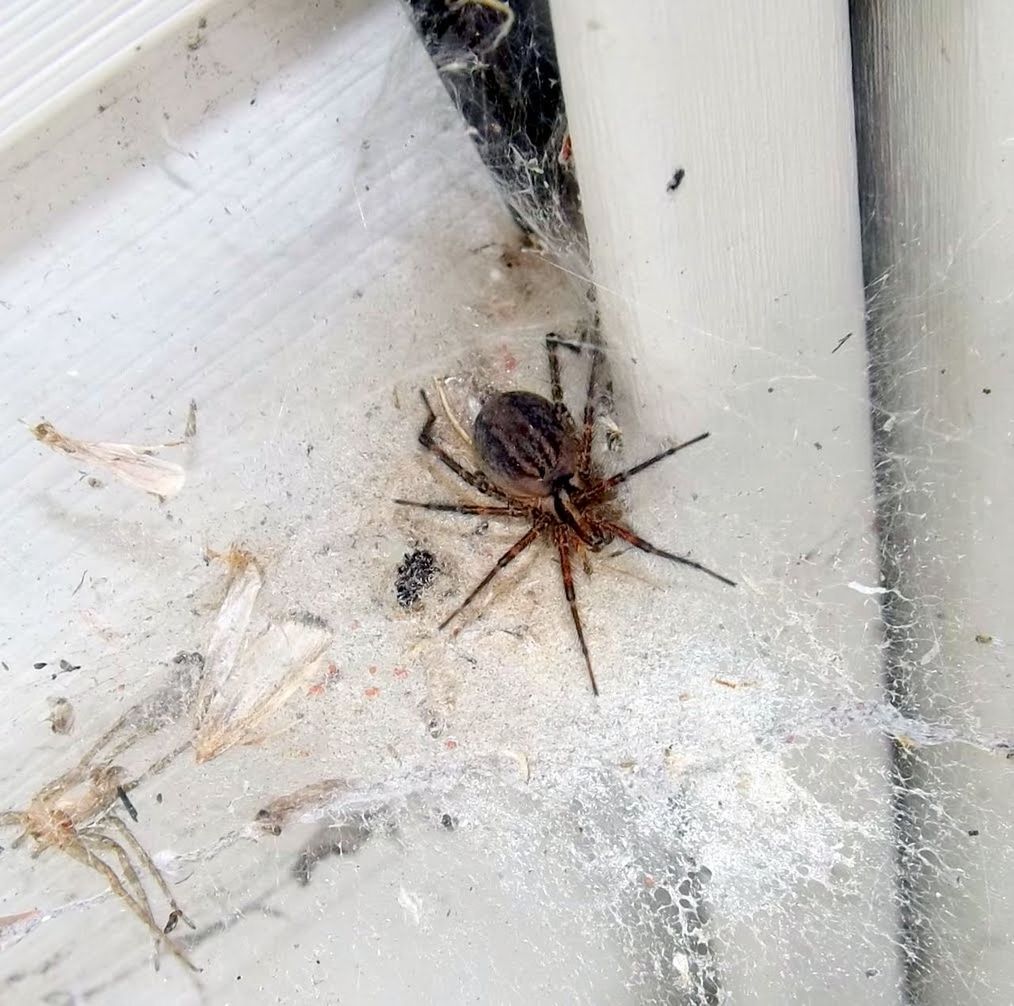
<point x="533" y="459"/>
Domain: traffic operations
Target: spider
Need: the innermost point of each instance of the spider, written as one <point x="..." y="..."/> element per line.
<point x="72" y="814"/>
<point x="533" y="460"/>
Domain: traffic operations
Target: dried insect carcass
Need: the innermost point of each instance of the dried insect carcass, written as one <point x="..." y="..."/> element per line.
<point x="538" y="466"/>
<point x="73" y="815"/>
<point x="134" y="465"/>
<point x="250" y="674"/>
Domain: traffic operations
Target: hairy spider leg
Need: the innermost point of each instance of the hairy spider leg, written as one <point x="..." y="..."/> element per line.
<point x="555" y="384"/>
<point x="560" y="535"/>
<point x="605" y="485"/>
<point x="474" y="479"/>
<point x="149" y="864"/>
<point x="92" y="837"/>
<point x="509" y="556"/>
<point x="553" y="343"/>
<point x="619" y="531"/>
<point x="77" y="850"/>
<point x="588" y="428"/>
<point x="468" y="508"/>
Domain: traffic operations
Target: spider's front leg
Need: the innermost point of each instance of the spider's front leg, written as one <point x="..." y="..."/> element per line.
<point x="629" y="536"/>
<point x="588" y="428"/>
<point x="475" y="479"/>
<point x="561" y="537"/>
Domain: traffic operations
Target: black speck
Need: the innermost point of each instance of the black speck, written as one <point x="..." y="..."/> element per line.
<point x="158" y="798"/>
<point x="128" y="806"/>
<point x="66" y="665"/>
<point x="841" y="342"/>
<point x="972" y="832"/>
<point x="448" y="822"/>
<point x="39" y="665"/>
<point x="818" y="445"/>
<point x="415" y="574"/>
<point x="770" y="390"/>
<point x="674" y="183"/>
<point x="872" y="972"/>
<point x="987" y="391"/>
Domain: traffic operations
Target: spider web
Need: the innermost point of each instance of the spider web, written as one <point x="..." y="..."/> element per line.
<point x="451" y="817"/>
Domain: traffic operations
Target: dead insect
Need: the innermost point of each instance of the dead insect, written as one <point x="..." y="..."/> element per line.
<point x="72" y="815"/>
<point x="135" y="465"/>
<point x="534" y="460"/>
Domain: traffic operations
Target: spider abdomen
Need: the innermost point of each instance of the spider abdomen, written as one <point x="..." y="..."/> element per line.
<point x="522" y="444"/>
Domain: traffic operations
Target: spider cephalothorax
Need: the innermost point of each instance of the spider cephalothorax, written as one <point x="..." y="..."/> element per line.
<point x="535" y="462"/>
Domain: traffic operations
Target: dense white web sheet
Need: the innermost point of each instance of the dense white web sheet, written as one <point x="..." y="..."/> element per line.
<point x="299" y="238"/>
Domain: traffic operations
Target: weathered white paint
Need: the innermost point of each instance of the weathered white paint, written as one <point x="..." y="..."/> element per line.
<point x="937" y="118"/>
<point x="722" y="303"/>
<point x="51" y="50"/>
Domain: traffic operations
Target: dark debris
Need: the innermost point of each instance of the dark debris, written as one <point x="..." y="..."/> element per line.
<point x="676" y="180"/>
<point x="417" y="571"/>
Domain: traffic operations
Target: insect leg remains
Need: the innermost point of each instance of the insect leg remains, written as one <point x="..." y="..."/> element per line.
<point x="142" y="854"/>
<point x="563" y="548"/>
<point x="619" y="531"/>
<point x="93" y="839"/>
<point x="509" y="556"/>
<point x="474" y="479"/>
<point x="77" y="850"/>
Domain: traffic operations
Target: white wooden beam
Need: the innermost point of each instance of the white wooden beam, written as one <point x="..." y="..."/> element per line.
<point x="723" y="303"/>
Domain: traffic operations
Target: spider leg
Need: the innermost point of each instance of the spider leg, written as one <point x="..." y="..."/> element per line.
<point x="553" y="343"/>
<point x="91" y="837"/>
<point x="588" y="430"/>
<point x="555" y="384"/>
<point x="509" y="556"/>
<point x="474" y="479"/>
<point x="468" y="508"/>
<point x="614" y="480"/>
<point x="149" y="864"/>
<point x="629" y="536"/>
<point x="563" y="548"/>
<point x="76" y="849"/>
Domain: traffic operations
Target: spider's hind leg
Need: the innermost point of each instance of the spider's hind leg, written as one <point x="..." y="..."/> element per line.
<point x="508" y="557"/>
<point x="475" y="479"/>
